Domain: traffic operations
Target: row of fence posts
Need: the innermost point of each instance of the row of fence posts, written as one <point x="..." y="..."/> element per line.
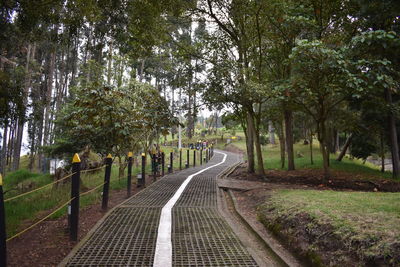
<point x="73" y="209"/>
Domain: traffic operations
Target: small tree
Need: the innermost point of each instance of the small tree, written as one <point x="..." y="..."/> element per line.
<point x="320" y="82"/>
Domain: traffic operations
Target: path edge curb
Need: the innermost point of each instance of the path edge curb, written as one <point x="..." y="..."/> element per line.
<point x="281" y="256"/>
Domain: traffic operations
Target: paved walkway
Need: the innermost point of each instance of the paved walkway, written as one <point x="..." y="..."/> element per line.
<point x="174" y="222"/>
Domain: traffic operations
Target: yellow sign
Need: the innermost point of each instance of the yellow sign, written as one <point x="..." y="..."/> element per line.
<point x="76" y="158"/>
<point x="130" y="154"/>
<point x="234" y="137"/>
<point x="109" y="156"/>
<point x="143" y="154"/>
<point x="1" y="180"/>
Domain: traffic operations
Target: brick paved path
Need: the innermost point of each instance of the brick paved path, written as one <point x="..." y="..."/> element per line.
<point x="197" y="233"/>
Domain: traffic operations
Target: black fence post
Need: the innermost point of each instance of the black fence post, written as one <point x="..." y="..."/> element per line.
<point x="171" y="162"/>
<point x="142" y="181"/>
<point x="3" y="235"/>
<point x="206" y="155"/>
<point x="194" y="157"/>
<point x="106" y="186"/>
<point x="159" y="163"/>
<point x="154" y="165"/>
<point x="162" y="163"/>
<point x="180" y="159"/>
<point x="201" y="156"/>
<point x="130" y="161"/>
<point x="75" y="180"/>
<point x="187" y="158"/>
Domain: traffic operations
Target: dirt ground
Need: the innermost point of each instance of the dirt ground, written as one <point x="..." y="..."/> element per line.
<point x="313" y="177"/>
<point x="48" y="243"/>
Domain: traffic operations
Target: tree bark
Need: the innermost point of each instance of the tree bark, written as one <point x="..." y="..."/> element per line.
<point x="21" y="121"/>
<point x="282" y="145"/>
<point x="311" y="148"/>
<point x="256" y="131"/>
<point x="345" y="147"/>
<point x="382" y="147"/>
<point x="393" y="137"/>
<point x="250" y="144"/>
<point x="46" y="136"/>
<point x="271" y="131"/>
<point x="322" y="138"/>
<point x="4" y="151"/>
<point x="289" y="138"/>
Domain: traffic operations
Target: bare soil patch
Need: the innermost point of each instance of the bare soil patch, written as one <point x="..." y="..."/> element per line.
<point x="313" y="177"/>
<point x="48" y="243"/>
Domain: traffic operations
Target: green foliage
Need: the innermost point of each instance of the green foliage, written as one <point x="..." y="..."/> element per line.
<point x="362" y="146"/>
<point x="111" y="119"/>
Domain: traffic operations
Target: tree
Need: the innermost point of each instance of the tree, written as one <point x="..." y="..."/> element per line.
<point x="112" y="119"/>
<point x="376" y="53"/>
<point x="320" y="82"/>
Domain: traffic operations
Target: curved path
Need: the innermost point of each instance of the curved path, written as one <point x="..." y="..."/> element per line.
<point x="173" y="222"/>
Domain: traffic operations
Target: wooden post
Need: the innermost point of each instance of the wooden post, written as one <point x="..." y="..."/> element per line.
<point x="180" y="159"/>
<point x="129" y="186"/>
<point x="106" y="186"/>
<point x="171" y="161"/>
<point x="74" y="217"/>
<point x="142" y="181"/>
<point x="162" y="163"/>
<point x="3" y="234"/>
<point x="187" y="157"/>
<point x="154" y="160"/>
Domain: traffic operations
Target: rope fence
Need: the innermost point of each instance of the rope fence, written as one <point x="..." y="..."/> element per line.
<point x="73" y="201"/>
<point x="41" y="220"/>
<point x="93" y="189"/>
<point x="52" y="183"/>
<point x="39" y="188"/>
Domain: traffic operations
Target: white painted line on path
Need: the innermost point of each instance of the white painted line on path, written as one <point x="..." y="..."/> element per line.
<point x="163" y="254"/>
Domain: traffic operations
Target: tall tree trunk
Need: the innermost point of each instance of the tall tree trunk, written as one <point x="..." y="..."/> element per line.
<point x="393" y="137"/>
<point x="333" y="144"/>
<point x="282" y="145"/>
<point x="382" y="152"/>
<point x="271" y="131"/>
<point x="289" y="138"/>
<point x="3" y="159"/>
<point x="48" y="98"/>
<point x="141" y="76"/>
<point x="250" y="144"/>
<point x="311" y="148"/>
<point x="21" y="121"/>
<point x="256" y="131"/>
<point x="110" y="54"/>
<point x="324" y="148"/>
<point x="345" y="147"/>
<point x="10" y="142"/>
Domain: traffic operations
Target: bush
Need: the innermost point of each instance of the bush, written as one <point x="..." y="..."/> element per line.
<point x="264" y="140"/>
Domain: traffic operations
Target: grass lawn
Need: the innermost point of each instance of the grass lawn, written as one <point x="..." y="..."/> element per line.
<point x="271" y="157"/>
<point x="367" y="218"/>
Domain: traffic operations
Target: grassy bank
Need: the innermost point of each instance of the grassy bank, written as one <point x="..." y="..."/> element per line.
<point x="364" y="224"/>
<point x="272" y="160"/>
